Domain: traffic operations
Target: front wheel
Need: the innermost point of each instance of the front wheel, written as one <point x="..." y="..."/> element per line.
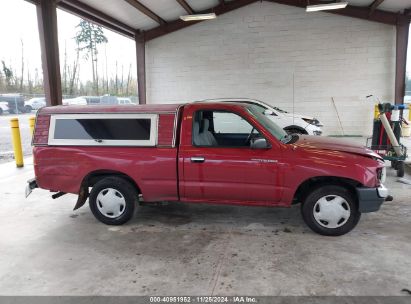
<point x="295" y="131"/>
<point x="400" y="169"/>
<point x="112" y="200"/>
<point x="330" y="210"/>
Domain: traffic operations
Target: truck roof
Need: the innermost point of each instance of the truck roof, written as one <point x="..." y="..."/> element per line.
<point x="109" y="108"/>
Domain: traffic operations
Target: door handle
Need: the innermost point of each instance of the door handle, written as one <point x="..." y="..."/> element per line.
<point x="197" y="159"/>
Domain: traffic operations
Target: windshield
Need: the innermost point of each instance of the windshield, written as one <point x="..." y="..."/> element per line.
<point x="268" y="124"/>
<point x="280" y="110"/>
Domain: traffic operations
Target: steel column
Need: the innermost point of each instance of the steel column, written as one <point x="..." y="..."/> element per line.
<point x="47" y="24"/>
<point x="403" y="27"/>
<point x="141" y="67"/>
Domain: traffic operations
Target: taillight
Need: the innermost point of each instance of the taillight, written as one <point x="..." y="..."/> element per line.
<point x="381" y="174"/>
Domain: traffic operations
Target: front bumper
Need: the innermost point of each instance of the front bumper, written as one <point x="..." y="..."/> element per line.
<point x="371" y="199"/>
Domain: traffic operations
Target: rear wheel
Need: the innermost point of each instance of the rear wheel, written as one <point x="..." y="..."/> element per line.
<point x="1" y="111"/>
<point x="27" y="109"/>
<point x="112" y="200"/>
<point x="330" y="210"/>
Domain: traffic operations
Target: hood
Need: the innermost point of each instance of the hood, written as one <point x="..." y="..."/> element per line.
<point x="297" y="116"/>
<point x="334" y="144"/>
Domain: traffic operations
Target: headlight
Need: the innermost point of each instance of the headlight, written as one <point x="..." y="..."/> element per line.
<point x="313" y="121"/>
<point x="381" y="174"/>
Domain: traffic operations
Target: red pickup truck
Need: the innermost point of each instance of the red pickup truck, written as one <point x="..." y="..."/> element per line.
<point x="211" y="152"/>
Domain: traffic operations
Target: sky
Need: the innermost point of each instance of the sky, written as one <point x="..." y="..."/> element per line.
<point x="18" y="23"/>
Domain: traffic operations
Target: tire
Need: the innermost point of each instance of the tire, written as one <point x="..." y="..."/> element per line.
<point x="400" y="168"/>
<point x="1" y="111"/>
<point x="112" y="200"/>
<point x="341" y="220"/>
<point x="28" y="109"/>
<point x="394" y="164"/>
<point x="295" y="131"/>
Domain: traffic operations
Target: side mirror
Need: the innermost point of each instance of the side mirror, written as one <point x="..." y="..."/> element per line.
<point x="268" y="112"/>
<point x="260" y="143"/>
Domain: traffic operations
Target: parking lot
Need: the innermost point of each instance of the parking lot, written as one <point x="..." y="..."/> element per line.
<point x="6" y="146"/>
<point x="48" y="249"/>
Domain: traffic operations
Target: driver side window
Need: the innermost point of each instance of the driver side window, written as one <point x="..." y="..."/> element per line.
<point x="222" y="129"/>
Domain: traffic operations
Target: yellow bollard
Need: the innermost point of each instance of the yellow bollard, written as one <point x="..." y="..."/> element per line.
<point x="376" y="112"/>
<point x="32" y="121"/>
<point x="16" y="139"/>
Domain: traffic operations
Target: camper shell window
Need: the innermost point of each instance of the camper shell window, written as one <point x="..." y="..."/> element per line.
<point x="103" y="129"/>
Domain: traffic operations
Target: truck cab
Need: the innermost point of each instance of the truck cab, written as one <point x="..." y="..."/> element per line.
<point x="203" y="152"/>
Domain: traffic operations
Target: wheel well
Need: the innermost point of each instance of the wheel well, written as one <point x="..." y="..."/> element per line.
<point x="313" y="183"/>
<point x="93" y="177"/>
<point x="296" y="128"/>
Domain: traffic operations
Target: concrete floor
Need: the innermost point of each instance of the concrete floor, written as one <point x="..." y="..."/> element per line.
<point x="182" y="249"/>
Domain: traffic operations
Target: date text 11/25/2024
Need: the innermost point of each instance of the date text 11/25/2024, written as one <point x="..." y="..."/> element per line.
<point x="203" y="299"/>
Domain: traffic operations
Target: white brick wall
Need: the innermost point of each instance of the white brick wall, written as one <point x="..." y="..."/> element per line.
<point x="258" y="50"/>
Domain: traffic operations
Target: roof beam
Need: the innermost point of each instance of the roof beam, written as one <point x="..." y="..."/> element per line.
<point x="87" y="12"/>
<point x="374" y="6"/>
<point x="180" y="24"/>
<point x="349" y="11"/>
<point x="146" y="11"/>
<point x="186" y="6"/>
<point x="224" y="7"/>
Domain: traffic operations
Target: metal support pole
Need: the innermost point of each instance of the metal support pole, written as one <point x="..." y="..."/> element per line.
<point x="32" y="122"/>
<point x="141" y="67"/>
<point x="16" y="139"/>
<point x="47" y="24"/>
<point x="403" y="27"/>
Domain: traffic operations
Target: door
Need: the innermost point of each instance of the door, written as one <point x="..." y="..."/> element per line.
<point x="221" y="166"/>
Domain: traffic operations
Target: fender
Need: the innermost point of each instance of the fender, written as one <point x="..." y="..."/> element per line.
<point x="297" y="128"/>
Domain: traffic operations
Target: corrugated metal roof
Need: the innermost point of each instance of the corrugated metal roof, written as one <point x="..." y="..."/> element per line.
<point x="171" y="10"/>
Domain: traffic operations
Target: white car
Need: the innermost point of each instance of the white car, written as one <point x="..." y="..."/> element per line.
<point x="125" y="101"/>
<point x="34" y="104"/>
<point x="4" y="107"/>
<point x="78" y="101"/>
<point x="291" y="123"/>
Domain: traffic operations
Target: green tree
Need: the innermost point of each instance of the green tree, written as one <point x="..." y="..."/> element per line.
<point x="88" y="37"/>
<point x="8" y="73"/>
